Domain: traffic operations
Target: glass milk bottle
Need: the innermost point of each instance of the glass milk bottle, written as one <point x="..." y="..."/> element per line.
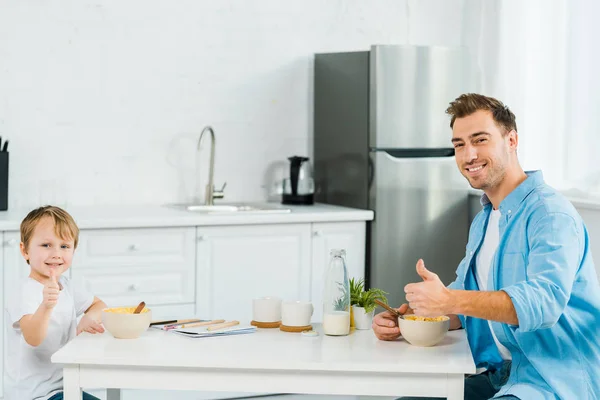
<point x="336" y="296"/>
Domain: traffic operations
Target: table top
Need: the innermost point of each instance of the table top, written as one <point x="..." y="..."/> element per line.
<point x="272" y="349"/>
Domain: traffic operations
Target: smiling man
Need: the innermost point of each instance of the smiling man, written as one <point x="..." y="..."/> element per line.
<point x="526" y="292"/>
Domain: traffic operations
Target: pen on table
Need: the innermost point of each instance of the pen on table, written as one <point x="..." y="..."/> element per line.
<point x="205" y="323"/>
<point x="222" y="326"/>
<point x="174" y="322"/>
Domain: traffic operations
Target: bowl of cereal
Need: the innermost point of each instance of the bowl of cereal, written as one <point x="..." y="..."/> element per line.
<point x="122" y="323"/>
<point x="423" y="331"/>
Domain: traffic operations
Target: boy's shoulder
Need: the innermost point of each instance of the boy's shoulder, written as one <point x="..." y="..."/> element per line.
<point x="29" y="285"/>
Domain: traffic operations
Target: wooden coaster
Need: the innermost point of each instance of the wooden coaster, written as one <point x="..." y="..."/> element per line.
<point x="265" y="324"/>
<point x="295" y="328"/>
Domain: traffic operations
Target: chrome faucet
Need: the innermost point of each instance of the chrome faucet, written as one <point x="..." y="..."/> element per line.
<point x="210" y="193"/>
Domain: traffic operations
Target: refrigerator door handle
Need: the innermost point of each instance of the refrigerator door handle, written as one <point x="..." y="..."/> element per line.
<point x="371" y="172"/>
<point x="417" y="152"/>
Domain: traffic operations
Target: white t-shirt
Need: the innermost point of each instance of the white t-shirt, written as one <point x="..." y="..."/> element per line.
<point x="484" y="263"/>
<point x="30" y="375"/>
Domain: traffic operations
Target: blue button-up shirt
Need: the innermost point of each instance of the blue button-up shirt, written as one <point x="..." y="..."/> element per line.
<point x="544" y="263"/>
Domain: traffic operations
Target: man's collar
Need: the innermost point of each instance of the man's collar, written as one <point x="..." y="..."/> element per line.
<point x="514" y="198"/>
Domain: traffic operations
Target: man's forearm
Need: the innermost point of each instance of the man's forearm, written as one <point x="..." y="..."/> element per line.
<point x="494" y="306"/>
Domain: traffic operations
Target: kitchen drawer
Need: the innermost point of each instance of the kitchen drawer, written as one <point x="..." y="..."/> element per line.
<point x="129" y="287"/>
<point x="167" y="248"/>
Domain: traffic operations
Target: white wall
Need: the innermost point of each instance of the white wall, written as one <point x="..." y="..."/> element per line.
<point x="103" y="101"/>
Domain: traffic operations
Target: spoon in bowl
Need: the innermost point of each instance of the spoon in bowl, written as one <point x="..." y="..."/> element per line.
<point x="139" y="308"/>
<point x="390" y="309"/>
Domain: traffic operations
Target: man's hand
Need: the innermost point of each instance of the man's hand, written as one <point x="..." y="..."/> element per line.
<point x="429" y="298"/>
<point x="385" y="324"/>
<point x="88" y="324"/>
<point x="51" y="291"/>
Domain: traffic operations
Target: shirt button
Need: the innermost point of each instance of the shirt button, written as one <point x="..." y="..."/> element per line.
<point x="509" y="211"/>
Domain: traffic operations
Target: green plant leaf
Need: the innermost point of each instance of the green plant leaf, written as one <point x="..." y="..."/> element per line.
<point x="356" y="288"/>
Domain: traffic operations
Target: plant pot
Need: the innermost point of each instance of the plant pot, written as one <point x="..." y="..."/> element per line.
<point x="362" y="319"/>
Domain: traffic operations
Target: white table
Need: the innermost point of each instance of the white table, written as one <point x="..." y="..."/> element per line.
<point x="267" y="361"/>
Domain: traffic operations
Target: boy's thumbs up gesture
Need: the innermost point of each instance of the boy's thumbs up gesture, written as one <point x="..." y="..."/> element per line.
<point x="51" y="291"/>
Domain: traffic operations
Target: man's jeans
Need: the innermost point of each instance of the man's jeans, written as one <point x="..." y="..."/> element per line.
<point x="86" y="396"/>
<point x="481" y="386"/>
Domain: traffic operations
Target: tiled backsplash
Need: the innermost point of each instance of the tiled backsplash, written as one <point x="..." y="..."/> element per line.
<point x="103" y="102"/>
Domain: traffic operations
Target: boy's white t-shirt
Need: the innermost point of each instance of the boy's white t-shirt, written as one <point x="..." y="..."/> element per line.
<point x="29" y="372"/>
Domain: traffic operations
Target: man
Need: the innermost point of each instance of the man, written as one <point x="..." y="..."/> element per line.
<point x="526" y="292"/>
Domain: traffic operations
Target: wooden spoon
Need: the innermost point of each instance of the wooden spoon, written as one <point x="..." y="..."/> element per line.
<point x="139" y="308"/>
<point x="390" y="309"/>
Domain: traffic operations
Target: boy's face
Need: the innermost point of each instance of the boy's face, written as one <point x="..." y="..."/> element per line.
<point x="47" y="251"/>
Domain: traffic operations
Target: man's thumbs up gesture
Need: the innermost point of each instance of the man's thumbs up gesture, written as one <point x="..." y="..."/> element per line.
<point x="428" y="298"/>
<point x="51" y="291"/>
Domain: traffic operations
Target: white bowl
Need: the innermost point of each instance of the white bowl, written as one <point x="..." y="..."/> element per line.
<point x="423" y="333"/>
<point x="126" y="325"/>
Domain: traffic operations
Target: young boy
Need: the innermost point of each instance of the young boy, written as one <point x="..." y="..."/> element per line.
<point x="42" y="318"/>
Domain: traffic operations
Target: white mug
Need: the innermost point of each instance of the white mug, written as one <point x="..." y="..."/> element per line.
<point x="296" y="313"/>
<point x="266" y="309"/>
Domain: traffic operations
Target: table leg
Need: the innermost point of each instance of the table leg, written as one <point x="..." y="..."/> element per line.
<point x="113" y="394"/>
<point x="71" y="388"/>
<point x="456" y="387"/>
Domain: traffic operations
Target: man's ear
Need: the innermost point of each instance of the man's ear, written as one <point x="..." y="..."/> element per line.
<point x="513" y="139"/>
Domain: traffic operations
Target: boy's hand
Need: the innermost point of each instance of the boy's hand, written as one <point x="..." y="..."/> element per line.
<point x="88" y="324"/>
<point x="51" y="291"/>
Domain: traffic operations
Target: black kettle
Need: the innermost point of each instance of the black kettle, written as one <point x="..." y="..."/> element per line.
<point x="299" y="188"/>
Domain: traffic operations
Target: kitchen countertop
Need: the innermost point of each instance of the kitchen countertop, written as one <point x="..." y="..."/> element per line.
<point x="145" y="216"/>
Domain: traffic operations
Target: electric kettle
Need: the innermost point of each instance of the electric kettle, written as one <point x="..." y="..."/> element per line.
<point x="299" y="188"/>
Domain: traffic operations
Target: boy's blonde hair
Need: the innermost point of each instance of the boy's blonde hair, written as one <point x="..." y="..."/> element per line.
<point x="64" y="225"/>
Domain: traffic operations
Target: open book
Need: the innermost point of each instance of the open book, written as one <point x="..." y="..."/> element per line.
<point x="201" y="331"/>
<point x="201" y="328"/>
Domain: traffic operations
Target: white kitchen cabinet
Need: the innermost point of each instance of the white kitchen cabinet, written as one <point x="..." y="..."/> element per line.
<point x="125" y="266"/>
<point x="591" y="217"/>
<point x="14" y="265"/>
<point x="349" y="236"/>
<point x="238" y="263"/>
<point x="14" y="269"/>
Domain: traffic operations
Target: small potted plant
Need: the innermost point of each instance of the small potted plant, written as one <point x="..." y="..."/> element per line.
<point x="363" y="303"/>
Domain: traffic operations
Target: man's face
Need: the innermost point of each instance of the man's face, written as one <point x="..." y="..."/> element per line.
<point x="482" y="152"/>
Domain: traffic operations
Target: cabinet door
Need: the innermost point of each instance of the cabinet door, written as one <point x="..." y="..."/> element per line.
<point x="14" y="265"/>
<point x="126" y="266"/>
<point x="238" y="263"/>
<point x="349" y="236"/>
<point x="14" y="270"/>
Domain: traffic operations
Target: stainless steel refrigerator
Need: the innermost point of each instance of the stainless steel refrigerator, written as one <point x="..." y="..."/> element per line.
<point x="382" y="141"/>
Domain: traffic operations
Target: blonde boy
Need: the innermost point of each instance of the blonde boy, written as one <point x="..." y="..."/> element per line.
<point x="43" y="316"/>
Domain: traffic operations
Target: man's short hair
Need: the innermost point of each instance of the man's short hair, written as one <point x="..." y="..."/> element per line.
<point x="468" y="103"/>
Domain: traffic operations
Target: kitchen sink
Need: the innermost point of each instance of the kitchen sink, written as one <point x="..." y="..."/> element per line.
<point x="246" y="208"/>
